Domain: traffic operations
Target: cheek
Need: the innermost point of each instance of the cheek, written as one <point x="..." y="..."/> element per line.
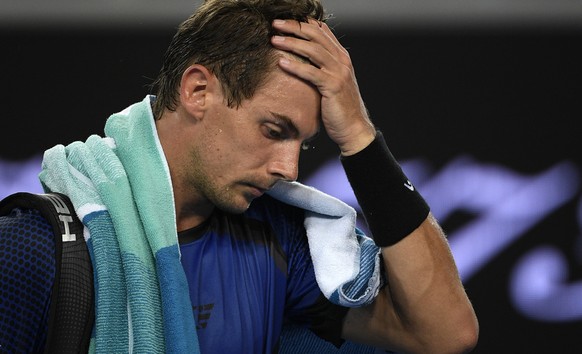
<point x="223" y="154"/>
<point x="239" y="146"/>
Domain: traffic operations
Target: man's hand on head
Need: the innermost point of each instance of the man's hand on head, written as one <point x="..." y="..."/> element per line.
<point x="330" y="69"/>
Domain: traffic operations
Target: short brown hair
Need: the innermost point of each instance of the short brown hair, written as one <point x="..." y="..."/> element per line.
<point x="232" y="39"/>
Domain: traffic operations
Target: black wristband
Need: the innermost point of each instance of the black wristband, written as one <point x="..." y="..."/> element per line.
<point x="391" y="205"/>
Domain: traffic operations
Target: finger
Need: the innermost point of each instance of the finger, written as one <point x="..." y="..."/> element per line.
<point x="304" y="71"/>
<point x="335" y="44"/>
<point x="313" y="31"/>
<point x="296" y="28"/>
<point x="313" y="52"/>
<point x="329" y="33"/>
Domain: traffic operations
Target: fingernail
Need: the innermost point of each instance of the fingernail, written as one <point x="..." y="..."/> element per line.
<point x="278" y="39"/>
<point x="278" y="22"/>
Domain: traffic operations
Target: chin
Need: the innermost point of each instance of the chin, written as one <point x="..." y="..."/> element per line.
<point x="234" y="207"/>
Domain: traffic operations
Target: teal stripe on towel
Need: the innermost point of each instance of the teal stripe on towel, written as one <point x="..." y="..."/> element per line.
<point x="111" y="316"/>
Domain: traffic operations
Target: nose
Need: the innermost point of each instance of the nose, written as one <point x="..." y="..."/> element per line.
<point x="285" y="164"/>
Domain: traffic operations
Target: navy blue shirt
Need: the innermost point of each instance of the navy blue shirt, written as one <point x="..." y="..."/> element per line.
<point x="249" y="274"/>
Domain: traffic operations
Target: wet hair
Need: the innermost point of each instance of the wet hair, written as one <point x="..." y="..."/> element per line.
<point x="231" y="38"/>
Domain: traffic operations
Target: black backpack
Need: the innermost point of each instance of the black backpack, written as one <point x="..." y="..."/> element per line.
<point x="71" y="309"/>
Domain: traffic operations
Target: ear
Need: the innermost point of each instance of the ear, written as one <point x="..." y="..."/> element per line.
<point x="197" y="89"/>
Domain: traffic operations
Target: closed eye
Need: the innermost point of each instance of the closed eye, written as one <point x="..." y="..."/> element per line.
<point x="280" y="127"/>
<point x="274" y="131"/>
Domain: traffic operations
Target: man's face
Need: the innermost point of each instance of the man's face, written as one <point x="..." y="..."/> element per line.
<point x="244" y="151"/>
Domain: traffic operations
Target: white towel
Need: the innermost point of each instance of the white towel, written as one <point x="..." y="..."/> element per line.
<point x="346" y="262"/>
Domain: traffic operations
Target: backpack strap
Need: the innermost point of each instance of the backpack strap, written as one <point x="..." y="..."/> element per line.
<point x="72" y="309"/>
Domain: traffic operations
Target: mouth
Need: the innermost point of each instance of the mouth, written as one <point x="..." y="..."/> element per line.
<point x="256" y="191"/>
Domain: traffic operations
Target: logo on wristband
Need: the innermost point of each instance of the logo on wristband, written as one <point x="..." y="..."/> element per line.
<point x="409" y="185"/>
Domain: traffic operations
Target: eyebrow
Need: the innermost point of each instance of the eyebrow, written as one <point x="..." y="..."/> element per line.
<point x="288" y="124"/>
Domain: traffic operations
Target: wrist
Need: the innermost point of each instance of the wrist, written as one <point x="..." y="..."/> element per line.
<point x="358" y="140"/>
<point x="391" y="205"/>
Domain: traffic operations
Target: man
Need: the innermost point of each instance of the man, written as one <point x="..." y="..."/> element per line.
<point x="244" y="86"/>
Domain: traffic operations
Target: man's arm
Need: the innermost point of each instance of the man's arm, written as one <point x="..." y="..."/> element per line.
<point x="424" y="307"/>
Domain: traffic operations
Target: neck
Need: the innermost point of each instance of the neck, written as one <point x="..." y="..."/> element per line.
<point x="190" y="214"/>
<point x="191" y="208"/>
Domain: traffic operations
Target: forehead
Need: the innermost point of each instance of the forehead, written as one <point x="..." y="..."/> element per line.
<point x="286" y="95"/>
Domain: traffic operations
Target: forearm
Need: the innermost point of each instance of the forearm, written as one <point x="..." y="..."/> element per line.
<point x="424" y="306"/>
<point x="425" y="295"/>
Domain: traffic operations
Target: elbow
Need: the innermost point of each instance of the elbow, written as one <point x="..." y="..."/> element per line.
<point x="464" y="330"/>
<point x="465" y="336"/>
<point x="460" y="338"/>
<point x="470" y="332"/>
<point x="461" y="342"/>
<point x="471" y="336"/>
<point x="466" y="340"/>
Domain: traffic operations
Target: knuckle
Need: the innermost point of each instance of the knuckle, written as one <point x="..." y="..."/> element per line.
<point x="346" y="73"/>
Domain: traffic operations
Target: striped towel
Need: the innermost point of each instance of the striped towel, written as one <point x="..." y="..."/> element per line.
<point x="121" y="190"/>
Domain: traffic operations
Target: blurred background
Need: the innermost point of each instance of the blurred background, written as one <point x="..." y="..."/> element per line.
<point x="478" y="100"/>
